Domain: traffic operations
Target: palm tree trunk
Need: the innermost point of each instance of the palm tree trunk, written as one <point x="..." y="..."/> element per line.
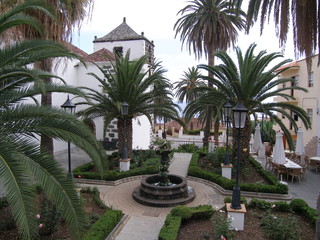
<point x="207" y="127"/>
<point x="128" y="136"/>
<point x="245" y="135"/>
<point x="216" y="132"/>
<point x="46" y="142"/>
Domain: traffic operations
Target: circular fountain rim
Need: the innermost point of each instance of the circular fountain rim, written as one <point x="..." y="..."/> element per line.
<point x="188" y="193"/>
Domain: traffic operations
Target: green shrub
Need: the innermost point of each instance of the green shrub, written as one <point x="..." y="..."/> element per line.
<point x="181" y="211"/>
<point x="310" y="214"/>
<point x="49" y="217"/>
<point x="202" y="212"/>
<point x="282" y="206"/>
<point x="103" y="226"/>
<point x="151" y="162"/>
<point x="228" y="184"/>
<point x="170" y="229"/>
<point x="193" y="132"/>
<point x="84" y="168"/>
<point x="221" y="225"/>
<point x="95" y="196"/>
<point x="194" y="160"/>
<point x="277" y="228"/>
<point x="188" y="147"/>
<point x="301" y="207"/>
<point x="243" y="200"/>
<point x="260" y="204"/>
<point x="112" y="175"/>
<point x="202" y="152"/>
<point x="297" y="205"/>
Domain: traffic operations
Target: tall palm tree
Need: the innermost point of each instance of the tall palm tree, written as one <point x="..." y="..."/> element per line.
<point x="190" y="80"/>
<point x="304" y="16"/>
<point x="22" y="164"/>
<point x="127" y="81"/>
<point x="208" y="26"/>
<point x="253" y="80"/>
<point x="66" y="16"/>
<point x="161" y="83"/>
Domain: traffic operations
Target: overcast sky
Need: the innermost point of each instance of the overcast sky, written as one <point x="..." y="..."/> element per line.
<point x="156" y="19"/>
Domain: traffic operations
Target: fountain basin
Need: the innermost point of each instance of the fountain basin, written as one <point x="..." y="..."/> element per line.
<point x="163" y="196"/>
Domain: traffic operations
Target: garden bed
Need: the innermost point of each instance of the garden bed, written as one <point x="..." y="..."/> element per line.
<point x="93" y="208"/>
<point x="204" y="229"/>
<point x="263" y="220"/>
<point x="259" y="181"/>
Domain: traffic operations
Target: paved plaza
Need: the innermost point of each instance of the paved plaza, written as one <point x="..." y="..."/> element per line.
<point x="144" y="222"/>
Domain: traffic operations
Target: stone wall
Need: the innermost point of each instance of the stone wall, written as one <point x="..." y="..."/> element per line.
<point x="112" y="131"/>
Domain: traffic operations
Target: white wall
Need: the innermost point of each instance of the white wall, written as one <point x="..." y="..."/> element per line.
<point x="77" y="75"/>
<point x="141" y="133"/>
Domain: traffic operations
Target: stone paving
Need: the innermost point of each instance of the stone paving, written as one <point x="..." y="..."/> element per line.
<point x="119" y="197"/>
<point x="145" y="222"/>
<point x="180" y="164"/>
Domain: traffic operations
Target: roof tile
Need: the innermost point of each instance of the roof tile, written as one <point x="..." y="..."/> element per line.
<point x="102" y="55"/>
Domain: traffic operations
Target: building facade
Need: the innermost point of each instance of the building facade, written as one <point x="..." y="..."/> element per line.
<point x="309" y="101"/>
<point x="118" y="41"/>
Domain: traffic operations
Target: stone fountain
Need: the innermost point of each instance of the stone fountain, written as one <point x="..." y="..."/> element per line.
<point x="163" y="189"/>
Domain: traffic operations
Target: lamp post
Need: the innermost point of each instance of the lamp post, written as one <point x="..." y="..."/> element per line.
<point x="124" y="112"/>
<point x="227" y="108"/>
<point x="69" y="107"/>
<point x="239" y="115"/>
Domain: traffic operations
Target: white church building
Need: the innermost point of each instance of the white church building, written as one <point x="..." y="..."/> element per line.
<point x="75" y="73"/>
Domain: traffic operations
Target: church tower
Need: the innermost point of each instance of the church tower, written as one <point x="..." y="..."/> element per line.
<point x="124" y="38"/>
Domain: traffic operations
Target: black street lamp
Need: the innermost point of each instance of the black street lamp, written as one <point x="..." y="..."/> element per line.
<point x="69" y="107"/>
<point x="227" y="108"/>
<point x="124" y="112"/>
<point x="239" y="116"/>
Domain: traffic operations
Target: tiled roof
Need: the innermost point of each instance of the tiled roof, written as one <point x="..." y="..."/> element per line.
<point x="75" y="49"/>
<point x="290" y="65"/>
<point x="102" y="55"/>
<point x="120" y="33"/>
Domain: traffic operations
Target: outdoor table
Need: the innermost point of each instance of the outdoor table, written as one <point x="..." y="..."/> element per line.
<point x="315" y="163"/>
<point x="315" y="159"/>
<point x="291" y="164"/>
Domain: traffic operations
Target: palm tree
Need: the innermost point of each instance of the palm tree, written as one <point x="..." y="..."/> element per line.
<point x="190" y="80"/>
<point x="22" y="163"/>
<point x="66" y="15"/>
<point x="127" y="81"/>
<point x="304" y="16"/>
<point x="253" y="80"/>
<point x="161" y="83"/>
<point x="209" y="26"/>
<point x="200" y="105"/>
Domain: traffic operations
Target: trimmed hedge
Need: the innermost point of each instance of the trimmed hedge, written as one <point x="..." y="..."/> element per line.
<point x="274" y="187"/>
<point x="180" y="214"/>
<point x="104" y="225"/>
<point x="194" y="160"/>
<point x="170" y="229"/>
<point x="112" y="175"/>
<point x="299" y="206"/>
